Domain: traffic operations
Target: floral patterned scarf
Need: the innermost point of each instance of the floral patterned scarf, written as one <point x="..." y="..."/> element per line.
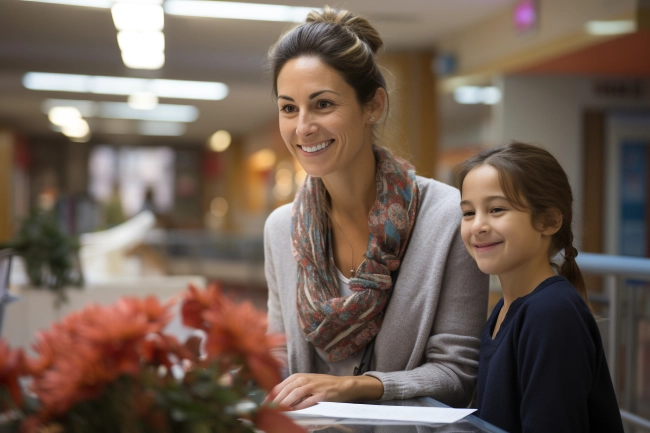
<point x="341" y="326"/>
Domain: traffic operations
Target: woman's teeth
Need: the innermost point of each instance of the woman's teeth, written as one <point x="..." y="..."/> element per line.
<point x="317" y="147"/>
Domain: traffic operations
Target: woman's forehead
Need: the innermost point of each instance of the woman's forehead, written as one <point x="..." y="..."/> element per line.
<point x="309" y="74"/>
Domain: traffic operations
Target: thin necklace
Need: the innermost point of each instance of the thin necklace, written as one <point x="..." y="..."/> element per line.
<point x="352" y="272"/>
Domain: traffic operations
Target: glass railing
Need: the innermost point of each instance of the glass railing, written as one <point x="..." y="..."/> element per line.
<point x="625" y="327"/>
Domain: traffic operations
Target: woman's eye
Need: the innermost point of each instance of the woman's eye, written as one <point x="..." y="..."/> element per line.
<point x="323" y="104"/>
<point x="288" y="108"/>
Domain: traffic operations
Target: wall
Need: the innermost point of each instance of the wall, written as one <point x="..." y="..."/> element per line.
<point x="548" y="110"/>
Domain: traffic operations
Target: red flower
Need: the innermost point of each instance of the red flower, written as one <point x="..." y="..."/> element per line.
<point x="240" y="331"/>
<point x="11" y="367"/>
<point x="196" y="302"/>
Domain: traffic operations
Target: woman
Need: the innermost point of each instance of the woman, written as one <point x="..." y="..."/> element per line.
<point x="361" y="217"/>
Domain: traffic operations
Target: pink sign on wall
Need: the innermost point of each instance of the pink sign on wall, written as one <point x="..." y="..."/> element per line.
<point x="525" y="16"/>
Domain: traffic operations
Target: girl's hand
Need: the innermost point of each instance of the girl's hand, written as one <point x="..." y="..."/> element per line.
<point x="303" y="390"/>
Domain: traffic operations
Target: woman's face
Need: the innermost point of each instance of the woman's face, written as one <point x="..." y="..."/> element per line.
<point x="321" y="120"/>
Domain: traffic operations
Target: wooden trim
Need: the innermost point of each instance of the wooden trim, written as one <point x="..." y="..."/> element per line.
<point x="6" y="174"/>
<point x="594" y="187"/>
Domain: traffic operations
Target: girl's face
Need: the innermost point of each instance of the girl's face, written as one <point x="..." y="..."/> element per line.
<point x="499" y="237"/>
<point x="321" y="120"/>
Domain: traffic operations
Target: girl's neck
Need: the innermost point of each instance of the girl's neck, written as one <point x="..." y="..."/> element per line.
<point x="353" y="189"/>
<point x="523" y="280"/>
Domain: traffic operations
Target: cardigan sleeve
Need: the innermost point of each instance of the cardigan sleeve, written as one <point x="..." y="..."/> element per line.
<point x="450" y="367"/>
<point x="275" y="321"/>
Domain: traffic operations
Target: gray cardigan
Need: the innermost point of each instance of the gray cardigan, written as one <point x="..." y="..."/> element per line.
<point x="428" y="344"/>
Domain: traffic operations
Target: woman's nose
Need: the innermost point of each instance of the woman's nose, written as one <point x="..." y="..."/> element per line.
<point x="306" y="125"/>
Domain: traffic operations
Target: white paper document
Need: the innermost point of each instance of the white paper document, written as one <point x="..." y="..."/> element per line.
<point x="425" y="415"/>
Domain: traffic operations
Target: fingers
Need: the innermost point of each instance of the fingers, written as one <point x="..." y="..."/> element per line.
<point x="306" y="402"/>
<point x="294" y="391"/>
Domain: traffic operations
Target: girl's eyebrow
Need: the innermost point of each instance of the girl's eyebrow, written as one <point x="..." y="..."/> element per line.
<point x="487" y="199"/>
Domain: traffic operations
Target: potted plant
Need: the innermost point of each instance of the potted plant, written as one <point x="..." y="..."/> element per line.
<point x="110" y="369"/>
<point x="50" y="256"/>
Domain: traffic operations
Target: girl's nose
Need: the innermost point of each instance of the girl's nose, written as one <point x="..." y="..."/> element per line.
<point x="480" y="225"/>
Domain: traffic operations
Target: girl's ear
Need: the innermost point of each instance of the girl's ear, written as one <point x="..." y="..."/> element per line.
<point x="552" y="222"/>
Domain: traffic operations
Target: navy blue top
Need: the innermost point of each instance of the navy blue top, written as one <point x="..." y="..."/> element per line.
<point x="546" y="370"/>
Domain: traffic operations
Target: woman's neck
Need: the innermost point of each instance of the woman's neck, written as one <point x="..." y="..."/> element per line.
<point x="523" y="280"/>
<point x="353" y="189"/>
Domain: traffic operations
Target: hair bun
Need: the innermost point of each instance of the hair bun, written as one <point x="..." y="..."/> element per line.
<point x="358" y="25"/>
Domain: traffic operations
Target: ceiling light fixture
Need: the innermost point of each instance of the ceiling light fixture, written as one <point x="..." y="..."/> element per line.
<point x="140" y="36"/>
<point x="126" y="86"/>
<point x="138" y="16"/>
<point x="143" y="101"/>
<point x="122" y="110"/>
<point x="604" y="28"/>
<point x="220" y="141"/>
<point x="237" y="11"/>
<point x="477" y="95"/>
<point x="105" y="4"/>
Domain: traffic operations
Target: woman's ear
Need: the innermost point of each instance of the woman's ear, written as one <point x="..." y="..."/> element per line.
<point x="377" y="105"/>
<point x="551" y="222"/>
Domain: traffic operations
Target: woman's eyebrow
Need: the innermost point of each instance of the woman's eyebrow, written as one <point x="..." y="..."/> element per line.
<point x="312" y="96"/>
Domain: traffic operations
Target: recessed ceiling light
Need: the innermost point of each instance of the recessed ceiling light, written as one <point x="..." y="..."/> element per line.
<point x="477" y="95"/>
<point x="603" y="28"/>
<point x="138" y="16"/>
<point x="143" y="59"/>
<point x="125" y="86"/>
<point x="220" y="141"/>
<point x="122" y="110"/>
<point x="238" y="11"/>
<point x="87" y="3"/>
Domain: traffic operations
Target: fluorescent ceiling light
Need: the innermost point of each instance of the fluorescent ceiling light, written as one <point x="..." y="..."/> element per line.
<point x="138" y="16"/>
<point x="122" y="110"/>
<point x="77" y="129"/>
<point x="143" y="101"/>
<point x="477" y="95"/>
<point x="172" y="129"/>
<point x="238" y="11"/>
<point x="130" y="40"/>
<point x="88" y="3"/>
<point x="63" y="115"/>
<point x="601" y="28"/>
<point x="203" y="90"/>
<point x="143" y="59"/>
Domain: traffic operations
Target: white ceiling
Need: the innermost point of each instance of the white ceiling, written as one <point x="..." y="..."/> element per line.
<point x="70" y="39"/>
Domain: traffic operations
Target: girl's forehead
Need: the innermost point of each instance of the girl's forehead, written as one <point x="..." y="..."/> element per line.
<point x="481" y="181"/>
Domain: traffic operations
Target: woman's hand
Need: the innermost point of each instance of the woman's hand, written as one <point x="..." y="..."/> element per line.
<point x="302" y="390"/>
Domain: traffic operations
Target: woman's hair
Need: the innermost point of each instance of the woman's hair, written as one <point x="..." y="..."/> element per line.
<point x="342" y="40"/>
<point x="532" y="179"/>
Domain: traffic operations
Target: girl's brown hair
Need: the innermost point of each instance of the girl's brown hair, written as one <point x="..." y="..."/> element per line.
<point x="532" y="179"/>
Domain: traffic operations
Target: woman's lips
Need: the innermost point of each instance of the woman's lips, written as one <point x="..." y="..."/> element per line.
<point x="326" y="144"/>
<point x="486" y="246"/>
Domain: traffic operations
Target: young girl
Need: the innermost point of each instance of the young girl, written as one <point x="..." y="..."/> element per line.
<point x="542" y="366"/>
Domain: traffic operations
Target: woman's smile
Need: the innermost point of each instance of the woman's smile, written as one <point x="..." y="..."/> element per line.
<point x="316" y="148"/>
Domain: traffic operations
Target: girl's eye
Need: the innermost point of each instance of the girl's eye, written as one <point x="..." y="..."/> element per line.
<point x="468" y="213"/>
<point x="288" y="108"/>
<point x="323" y="104"/>
<point x="497" y="209"/>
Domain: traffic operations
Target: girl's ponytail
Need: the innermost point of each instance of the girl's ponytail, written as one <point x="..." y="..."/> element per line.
<point x="571" y="272"/>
